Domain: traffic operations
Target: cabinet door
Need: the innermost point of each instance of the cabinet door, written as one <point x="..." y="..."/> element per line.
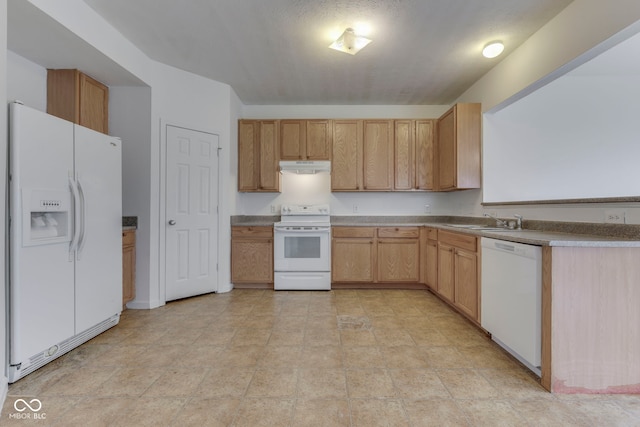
<point x="466" y="282"/>
<point x="377" y="155"/>
<point x="346" y="166"/>
<point x="248" y="134"/>
<point x="424" y="154"/>
<point x="292" y="139"/>
<point x="252" y="260"/>
<point x="447" y="169"/>
<point x="467" y="134"/>
<point x="268" y="155"/>
<point x="319" y="133"/>
<point x="128" y="266"/>
<point x="352" y="260"/>
<point x="431" y="264"/>
<point x="94" y="104"/>
<point x="404" y="150"/>
<point x="445" y="271"/>
<point x="76" y="97"/>
<point x="398" y="260"/>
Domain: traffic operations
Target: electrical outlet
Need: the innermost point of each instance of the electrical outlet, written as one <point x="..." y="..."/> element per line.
<point x="427" y="209"/>
<point x="615" y="216"/>
<point x="274" y="209"/>
<point x="355" y="208"/>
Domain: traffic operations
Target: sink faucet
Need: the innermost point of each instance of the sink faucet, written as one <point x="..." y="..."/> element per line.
<point x="499" y="222"/>
<point x="518" y="221"/>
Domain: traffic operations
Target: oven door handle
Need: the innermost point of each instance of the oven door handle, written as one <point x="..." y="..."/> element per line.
<point x="302" y="230"/>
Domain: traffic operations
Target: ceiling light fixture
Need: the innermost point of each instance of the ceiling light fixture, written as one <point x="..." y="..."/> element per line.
<point x="349" y="42"/>
<point x="493" y="49"/>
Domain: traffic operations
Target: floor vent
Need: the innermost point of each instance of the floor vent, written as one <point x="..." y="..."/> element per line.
<point x="353" y="322"/>
<point x="39" y="360"/>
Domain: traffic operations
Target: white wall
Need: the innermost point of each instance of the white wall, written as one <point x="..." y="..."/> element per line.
<point x="176" y="97"/>
<point x="576" y="138"/>
<point x="191" y="101"/>
<point x="343" y="111"/>
<point x="130" y="119"/>
<point x="574" y="36"/>
<point x="3" y="185"/>
<point x="581" y="26"/>
<point x="28" y="82"/>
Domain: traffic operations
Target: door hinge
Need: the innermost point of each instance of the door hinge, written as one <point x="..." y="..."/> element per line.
<point x="216" y="266"/>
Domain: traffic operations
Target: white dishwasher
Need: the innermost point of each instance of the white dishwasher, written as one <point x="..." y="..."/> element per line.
<point x="512" y="298"/>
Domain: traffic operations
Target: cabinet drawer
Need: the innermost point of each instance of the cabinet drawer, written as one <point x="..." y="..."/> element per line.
<point x="128" y="237"/>
<point x="462" y="241"/>
<point x="252" y="231"/>
<point x="353" y="232"/>
<point x="407" y="232"/>
<point x="432" y="233"/>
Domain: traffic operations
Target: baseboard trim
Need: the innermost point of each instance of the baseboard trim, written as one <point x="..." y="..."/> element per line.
<point x="144" y="305"/>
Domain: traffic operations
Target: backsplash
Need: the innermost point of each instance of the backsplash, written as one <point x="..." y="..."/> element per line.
<point x="130" y="221"/>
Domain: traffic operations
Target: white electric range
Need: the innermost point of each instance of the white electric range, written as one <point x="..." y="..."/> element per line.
<point x="302" y="248"/>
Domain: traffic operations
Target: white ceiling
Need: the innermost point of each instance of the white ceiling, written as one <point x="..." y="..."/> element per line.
<point x="275" y="52"/>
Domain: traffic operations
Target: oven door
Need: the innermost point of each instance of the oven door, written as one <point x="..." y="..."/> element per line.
<point x="302" y="249"/>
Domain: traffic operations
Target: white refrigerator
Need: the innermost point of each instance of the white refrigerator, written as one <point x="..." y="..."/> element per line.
<point x="65" y="237"/>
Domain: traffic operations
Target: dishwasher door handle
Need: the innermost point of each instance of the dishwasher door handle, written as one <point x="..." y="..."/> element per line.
<point x="505" y="247"/>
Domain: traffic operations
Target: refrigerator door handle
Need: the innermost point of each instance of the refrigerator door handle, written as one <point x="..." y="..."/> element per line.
<point x="76" y="217"/>
<point x="83" y="218"/>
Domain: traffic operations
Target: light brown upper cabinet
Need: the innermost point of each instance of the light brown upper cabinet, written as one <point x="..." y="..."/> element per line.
<point x="413" y="152"/>
<point x="346" y="166"/>
<point x="458" y="148"/>
<point x="258" y="156"/>
<point x="405" y="154"/>
<point x="377" y="152"/>
<point x="76" y="97"/>
<point x="382" y="155"/>
<point x="362" y="155"/>
<point x="424" y="132"/>
<point x="305" y="139"/>
<point x="292" y="139"/>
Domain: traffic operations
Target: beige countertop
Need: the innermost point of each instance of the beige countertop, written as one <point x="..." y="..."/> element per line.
<point x="539" y="233"/>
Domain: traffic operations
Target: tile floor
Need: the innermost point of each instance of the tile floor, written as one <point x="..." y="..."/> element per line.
<point x="264" y="358"/>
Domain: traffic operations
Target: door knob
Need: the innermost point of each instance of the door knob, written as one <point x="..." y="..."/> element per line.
<point x="172" y="222"/>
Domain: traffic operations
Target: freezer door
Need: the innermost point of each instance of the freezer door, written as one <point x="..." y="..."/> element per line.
<point x="99" y="256"/>
<point x="41" y="306"/>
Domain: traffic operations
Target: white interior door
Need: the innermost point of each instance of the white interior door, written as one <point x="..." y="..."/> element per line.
<point x="191" y="213"/>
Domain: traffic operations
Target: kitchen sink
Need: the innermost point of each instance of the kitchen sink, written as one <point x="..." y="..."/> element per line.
<point x="479" y="227"/>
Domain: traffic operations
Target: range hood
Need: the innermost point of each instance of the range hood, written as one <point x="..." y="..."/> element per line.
<point x="305" y="167"/>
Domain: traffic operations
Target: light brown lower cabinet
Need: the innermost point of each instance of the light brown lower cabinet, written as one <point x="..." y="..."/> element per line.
<point x="375" y="255"/>
<point x="353" y="254"/>
<point x="252" y="255"/>
<point x="458" y="272"/>
<point x="430" y="257"/>
<point x="128" y="266"/>
<point x="398" y="255"/>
